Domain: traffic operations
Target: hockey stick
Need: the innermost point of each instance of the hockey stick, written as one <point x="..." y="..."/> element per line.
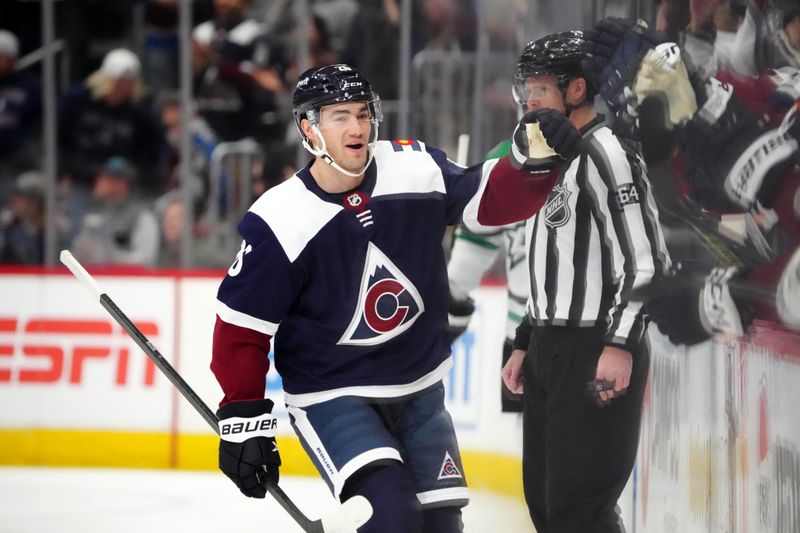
<point x="352" y="514"/>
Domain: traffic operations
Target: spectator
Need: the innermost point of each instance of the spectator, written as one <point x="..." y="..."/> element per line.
<point x="160" y="57"/>
<point x="241" y="40"/>
<point x="170" y="211"/>
<point x="377" y="23"/>
<point x="449" y="25"/>
<point x="20" y="107"/>
<point x="121" y="229"/>
<point x="712" y="33"/>
<point x="105" y="116"/>
<point x="232" y="102"/>
<point x="336" y="15"/>
<point x="319" y="47"/>
<point x="787" y="41"/>
<point x="22" y="236"/>
<point x="203" y="143"/>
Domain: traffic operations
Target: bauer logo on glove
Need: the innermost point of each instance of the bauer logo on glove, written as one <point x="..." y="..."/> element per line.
<point x="238" y="429"/>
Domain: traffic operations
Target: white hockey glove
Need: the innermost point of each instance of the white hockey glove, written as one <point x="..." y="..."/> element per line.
<point x="787" y="296"/>
<point x="758" y="169"/>
<point x="718" y="311"/>
<point x="663" y="75"/>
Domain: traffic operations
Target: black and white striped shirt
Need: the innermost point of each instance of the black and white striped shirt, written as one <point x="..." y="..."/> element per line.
<point x="596" y="238"/>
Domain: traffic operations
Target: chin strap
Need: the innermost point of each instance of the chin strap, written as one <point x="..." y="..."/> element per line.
<point x="322" y="152"/>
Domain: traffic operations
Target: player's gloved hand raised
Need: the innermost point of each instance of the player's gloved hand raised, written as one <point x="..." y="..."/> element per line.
<point x="615" y="51"/>
<point x="248" y="454"/>
<point x="542" y="136"/>
<point x="459" y="313"/>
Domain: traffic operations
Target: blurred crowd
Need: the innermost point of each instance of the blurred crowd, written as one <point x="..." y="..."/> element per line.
<point x="119" y="198"/>
<point x="119" y="118"/>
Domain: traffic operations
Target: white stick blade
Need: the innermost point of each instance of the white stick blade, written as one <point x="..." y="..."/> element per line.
<point x="350" y="516"/>
<point x="79" y="272"/>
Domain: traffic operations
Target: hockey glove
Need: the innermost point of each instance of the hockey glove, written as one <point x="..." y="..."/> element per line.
<point x="719" y="312"/>
<point x="663" y="74"/>
<point x="690" y="309"/>
<point x="755" y="174"/>
<point x="459" y="313"/>
<point x="787" y="295"/>
<point x="712" y="141"/>
<point x="539" y="146"/>
<point x="672" y="306"/>
<point x="616" y="49"/>
<point x="248" y="454"/>
<point x="787" y="88"/>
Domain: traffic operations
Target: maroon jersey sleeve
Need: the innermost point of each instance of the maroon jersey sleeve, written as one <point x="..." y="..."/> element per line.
<point x="239" y="361"/>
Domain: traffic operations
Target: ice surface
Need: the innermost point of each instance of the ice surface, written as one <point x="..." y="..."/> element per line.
<point x="69" y="500"/>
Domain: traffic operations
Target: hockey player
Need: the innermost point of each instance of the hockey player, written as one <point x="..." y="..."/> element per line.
<point x="738" y="138"/>
<point x="596" y="239"/>
<point x="342" y="265"/>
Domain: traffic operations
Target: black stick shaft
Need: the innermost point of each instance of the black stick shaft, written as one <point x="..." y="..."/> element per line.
<point x="308" y="525"/>
<point x="162" y="364"/>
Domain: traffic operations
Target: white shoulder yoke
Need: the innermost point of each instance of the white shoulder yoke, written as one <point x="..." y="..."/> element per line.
<point x="294" y="214"/>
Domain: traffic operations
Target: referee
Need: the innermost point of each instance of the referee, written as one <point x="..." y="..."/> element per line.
<point x="595" y="240"/>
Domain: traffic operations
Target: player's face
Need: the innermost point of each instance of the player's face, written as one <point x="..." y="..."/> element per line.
<point x="793" y="32"/>
<point x="346" y="128"/>
<point x="543" y="93"/>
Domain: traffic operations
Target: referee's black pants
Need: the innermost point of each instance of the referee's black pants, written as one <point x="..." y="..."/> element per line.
<point x="577" y="456"/>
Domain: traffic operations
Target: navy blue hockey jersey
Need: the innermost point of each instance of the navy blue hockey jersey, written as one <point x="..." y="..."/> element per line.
<point x="353" y="286"/>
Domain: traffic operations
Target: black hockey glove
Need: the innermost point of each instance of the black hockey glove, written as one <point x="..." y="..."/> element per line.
<point x="757" y="172"/>
<point x="616" y="48"/>
<point x="459" y="313"/>
<point x="690" y="309"/>
<point x="248" y="453"/>
<point x="712" y="141"/>
<point x="559" y="138"/>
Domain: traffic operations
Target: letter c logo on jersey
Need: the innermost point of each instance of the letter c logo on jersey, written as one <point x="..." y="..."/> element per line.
<point x="388" y="303"/>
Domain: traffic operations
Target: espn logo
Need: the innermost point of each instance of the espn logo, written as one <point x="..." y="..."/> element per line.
<point x="55" y="350"/>
<point x="237" y="429"/>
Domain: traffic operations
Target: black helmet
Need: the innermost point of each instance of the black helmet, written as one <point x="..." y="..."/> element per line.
<point x="557" y="54"/>
<point x="332" y="84"/>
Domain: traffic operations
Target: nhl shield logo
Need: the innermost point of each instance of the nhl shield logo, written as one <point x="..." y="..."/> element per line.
<point x="354" y="200"/>
<point x="388" y="303"/>
<point x="556" y="211"/>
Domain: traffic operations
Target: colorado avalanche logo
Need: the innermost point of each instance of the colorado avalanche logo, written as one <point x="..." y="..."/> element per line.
<point x="449" y="470"/>
<point x="556" y="210"/>
<point x="388" y="303"/>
